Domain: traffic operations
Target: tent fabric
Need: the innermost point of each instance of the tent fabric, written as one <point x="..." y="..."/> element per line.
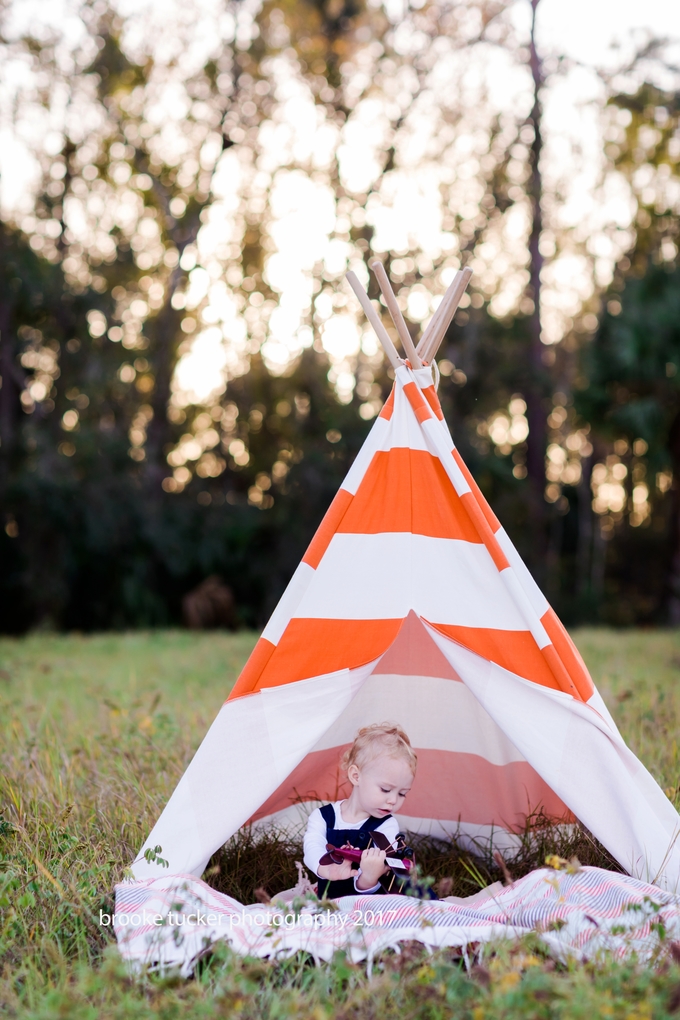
<point x="411" y="518"/>
<point x="412" y="604"/>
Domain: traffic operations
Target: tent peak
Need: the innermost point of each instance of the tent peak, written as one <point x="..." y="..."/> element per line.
<point x="431" y="339"/>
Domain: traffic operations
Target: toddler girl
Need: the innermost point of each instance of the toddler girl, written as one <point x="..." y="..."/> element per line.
<point x="381" y="766"/>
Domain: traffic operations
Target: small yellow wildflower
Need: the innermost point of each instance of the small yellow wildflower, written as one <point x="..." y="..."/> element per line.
<point x="425" y="974"/>
<point x="508" y="981"/>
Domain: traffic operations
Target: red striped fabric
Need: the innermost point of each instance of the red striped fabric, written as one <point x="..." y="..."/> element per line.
<point x="569" y="654"/>
<point x="408" y="488"/>
<point x="388" y="406"/>
<point x="430" y="395"/>
<point x="450" y="787"/>
<point x="327" y="528"/>
<point x="513" y="650"/>
<point x="311" y="648"/>
<point x="396" y="495"/>
<point x="249" y="680"/>
<point x="491" y="518"/>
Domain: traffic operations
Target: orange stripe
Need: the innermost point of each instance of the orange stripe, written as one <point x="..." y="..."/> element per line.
<point x="559" y="671"/>
<point x="515" y="650"/>
<point x="449" y="786"/>
<point x="494" y="523"/>
<point x="486" y="534"/>
<point x="312" y="647"/>
<point x="415" y="399"/>
<point x="408" y="491"/>
<point x="569" y="654"/>
<point x="569" y="681"/>
<point x="251" y="672"/>
<point x="388" y="407"/>
<point x="475" y="505"/>
<point x="329" y="525"/>
<point x="430" y="395"/>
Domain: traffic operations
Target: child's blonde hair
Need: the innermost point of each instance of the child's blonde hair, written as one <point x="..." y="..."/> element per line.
<point x="380" y="738"/>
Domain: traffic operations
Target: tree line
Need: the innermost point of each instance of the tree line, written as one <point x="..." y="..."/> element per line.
<point x="185" y="380"/>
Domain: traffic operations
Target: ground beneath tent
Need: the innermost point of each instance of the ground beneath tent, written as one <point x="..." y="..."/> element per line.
<point x="255" y="863"/>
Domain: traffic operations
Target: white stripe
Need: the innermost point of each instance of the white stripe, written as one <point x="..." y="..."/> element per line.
<point x="519" y="596"/>
<point x="479" y="838"/>
<point x="423" y="377"/>
<point x="293" y="820"/>
<point x="595" y="701"/>
<point x="403" y="375"/>
<point x="374" y="441"/>
<point x="437" y="714"/>
<point x="534" y="594"/>
<point x="404" y="428"/>
<point x="440" y="446"/>
<point x="384" y="576"/>
<point x="288" y="603"/>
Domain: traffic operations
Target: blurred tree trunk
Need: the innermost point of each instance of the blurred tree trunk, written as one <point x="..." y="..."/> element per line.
<point x="536" y="390"/>
<point x="9" y="390"/>
<point x="672" y="599"/>
<point x="598" y="565"/>
<point x="163" y="332"/>
<point x="7" y="397"/>
<point x="163" y="353"/>
<point x="585" y="529"/>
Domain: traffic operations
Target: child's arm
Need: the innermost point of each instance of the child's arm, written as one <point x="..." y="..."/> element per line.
<point x="373" y="867"/>
<point x="315" y="848"/>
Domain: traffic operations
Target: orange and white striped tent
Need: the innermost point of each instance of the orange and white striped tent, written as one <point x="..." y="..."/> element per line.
<point x="411" y="604"/>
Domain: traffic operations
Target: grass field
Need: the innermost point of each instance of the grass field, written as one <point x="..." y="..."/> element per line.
<point x="94" y="734"/>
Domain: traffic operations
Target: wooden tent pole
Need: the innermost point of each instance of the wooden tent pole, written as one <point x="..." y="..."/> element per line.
<point x="436" y="331"/>
<point x="395" y="311"/>
<point x="424" y="341"/>
<point x="447" y="315"/>
<point x="374" y="319"/>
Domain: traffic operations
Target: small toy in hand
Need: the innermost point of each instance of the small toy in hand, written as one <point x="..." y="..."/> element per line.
<point x="400" y="860"/>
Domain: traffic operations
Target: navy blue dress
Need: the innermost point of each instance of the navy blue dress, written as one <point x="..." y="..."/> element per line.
<point x="359" y="838"/>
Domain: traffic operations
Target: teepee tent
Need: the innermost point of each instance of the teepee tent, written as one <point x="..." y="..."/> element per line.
<point x="411" y="604"/>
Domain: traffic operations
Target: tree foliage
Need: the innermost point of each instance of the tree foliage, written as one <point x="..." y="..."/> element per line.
<point x="628" y="386"/>
<point x="185" y="380"/>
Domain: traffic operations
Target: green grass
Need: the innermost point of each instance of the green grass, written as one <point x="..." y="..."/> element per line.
<point x="94" y="733"/>
<point x="638" y="674"/>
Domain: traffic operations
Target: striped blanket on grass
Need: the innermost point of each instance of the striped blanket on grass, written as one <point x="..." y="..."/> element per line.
<point x="170" y="922"/>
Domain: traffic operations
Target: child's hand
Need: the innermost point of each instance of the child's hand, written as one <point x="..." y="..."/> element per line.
<point x="372" y="867"/>
<point x="336" y="872"/>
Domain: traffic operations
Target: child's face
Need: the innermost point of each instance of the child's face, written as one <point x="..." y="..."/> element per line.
<point x="381" y="785"/>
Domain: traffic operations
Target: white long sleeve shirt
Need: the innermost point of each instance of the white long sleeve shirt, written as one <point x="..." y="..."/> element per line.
<point x="315" y="838"/>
